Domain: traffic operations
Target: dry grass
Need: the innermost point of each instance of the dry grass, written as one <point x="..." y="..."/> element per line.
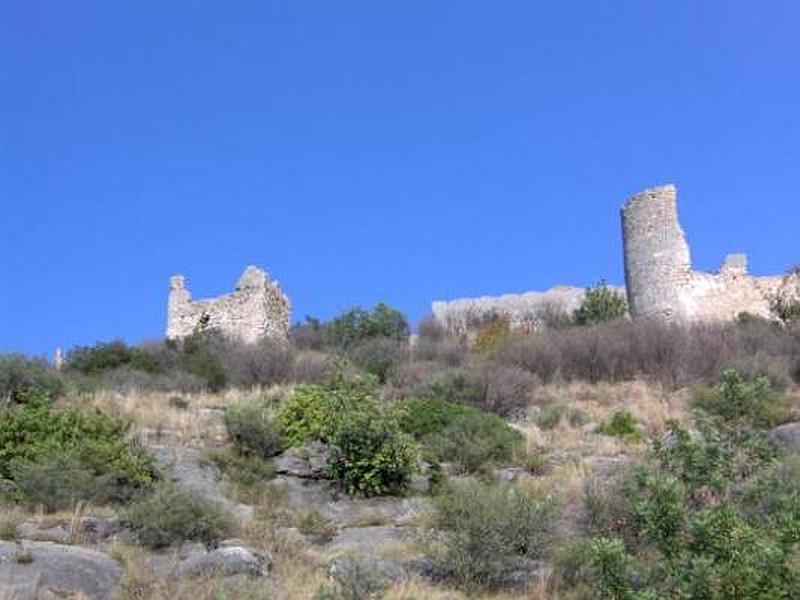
<point x="11" y="517"/>
<point x="157" y="418"/>
<point x="650" y="404"/>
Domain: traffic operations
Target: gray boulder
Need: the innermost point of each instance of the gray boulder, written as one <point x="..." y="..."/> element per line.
<point x="788" y="435"/>
<point x="47" y="570"/>
<point x="309" y="461"/>
<point x="225" y="561"/>
<point x="191" y="470"/>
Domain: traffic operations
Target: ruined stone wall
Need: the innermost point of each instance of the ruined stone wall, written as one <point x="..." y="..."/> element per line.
<point x="659" y="278"/>
<point x="527" y="312"/>
<point x="257" y="309"/>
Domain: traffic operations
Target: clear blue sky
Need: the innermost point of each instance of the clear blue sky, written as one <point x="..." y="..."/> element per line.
<point x="365" y="151"/>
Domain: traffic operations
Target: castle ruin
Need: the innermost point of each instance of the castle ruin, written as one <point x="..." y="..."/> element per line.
<point x="257" y="309"/>
<point x="659" y="280"/>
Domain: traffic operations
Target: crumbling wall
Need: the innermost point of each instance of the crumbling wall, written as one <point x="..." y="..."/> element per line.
<point x="527" y="312"/>
<point x="257" y="309"/>
<point x="659" y="278"/>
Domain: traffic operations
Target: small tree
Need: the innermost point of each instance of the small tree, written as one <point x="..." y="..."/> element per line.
<point x="600" y="305"/>
<point x="357" y="325"/>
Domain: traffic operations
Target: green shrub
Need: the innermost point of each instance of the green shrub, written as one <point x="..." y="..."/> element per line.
<point x="369" y="452"/>
<point x="201" y="355"/>
<point x="19" y="375"/>
<point x="490" y="532"/>
<point x="37" y="443"/>
<point x="357" y="325"/>
<point x="712" y="513"/>
<point x="312" y="410"/>
<point x="59" y="479"/>
<point x="552" y="415"/>
<point x="610" y="565"/>
<point x="457" y="385"/>
<point x="379" y="356"/>
<point x="738" y="399"/>
<point x="422" y="417"/>
<point x="600" y="305"/>
<point x="252" y="432"/>
<point x="93" y="360"/>
<point x="621" y="425"/>
<point x="170" y="515"/>
<point x="475" y="440"/>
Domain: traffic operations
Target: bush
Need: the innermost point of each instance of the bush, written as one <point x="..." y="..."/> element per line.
<point x="93" y="360"/>
<point x="252" y="432"/>
<point x="491" y="532"/>
<point x="421" y="417"/>
<point x="674" y="355"/>
<point x="261" y="364"/>
<point x="19" y="374"/>
<point x="622" y="425"/>
<point x="357" y="325"/>
<point x="170" y="515"/>
<point x="369" y="452"/>
<point x="312" y="410"/>
<point x="600" y="305"/>
<point x="379" y="356"/>
<point x="475" y="440"/>
<point x="58" y="457"/>
<point x="742" y="400"/>
<point x="552" y="415"/>
<point x="202" y="354"/>
<point x="712" y="513"/>
<point x="309" y="335"/>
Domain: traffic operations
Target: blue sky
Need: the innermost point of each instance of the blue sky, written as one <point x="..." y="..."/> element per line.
<point x="365" y="151"/>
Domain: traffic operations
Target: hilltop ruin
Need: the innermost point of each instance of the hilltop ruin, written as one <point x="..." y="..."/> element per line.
<point x="659" y="280"/>
<point x="658" y="270"/>
<point x="257" y="309"/>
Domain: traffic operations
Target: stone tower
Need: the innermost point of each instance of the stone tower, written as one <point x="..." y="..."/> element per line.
<point x="257" y="309"/>
<point x="661" y="282"/>
<point x="657" y="260"/>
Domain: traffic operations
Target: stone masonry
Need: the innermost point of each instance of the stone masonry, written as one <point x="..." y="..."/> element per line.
<point x="257" y="309"/>
<point x="659" y="280"/>
<point x="526" y="312"/>
<point x="659" y="276"/>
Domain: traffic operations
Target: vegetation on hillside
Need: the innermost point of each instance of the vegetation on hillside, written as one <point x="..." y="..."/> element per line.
<point x="707" y="506"/>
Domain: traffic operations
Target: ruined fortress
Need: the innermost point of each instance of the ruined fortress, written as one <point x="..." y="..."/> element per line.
<point x="658" y="270"/>
<point x="257" y="309"/>
<point x="660" y="281"/>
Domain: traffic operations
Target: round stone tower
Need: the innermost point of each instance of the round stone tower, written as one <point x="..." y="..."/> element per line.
<point x="657" y="261"/>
